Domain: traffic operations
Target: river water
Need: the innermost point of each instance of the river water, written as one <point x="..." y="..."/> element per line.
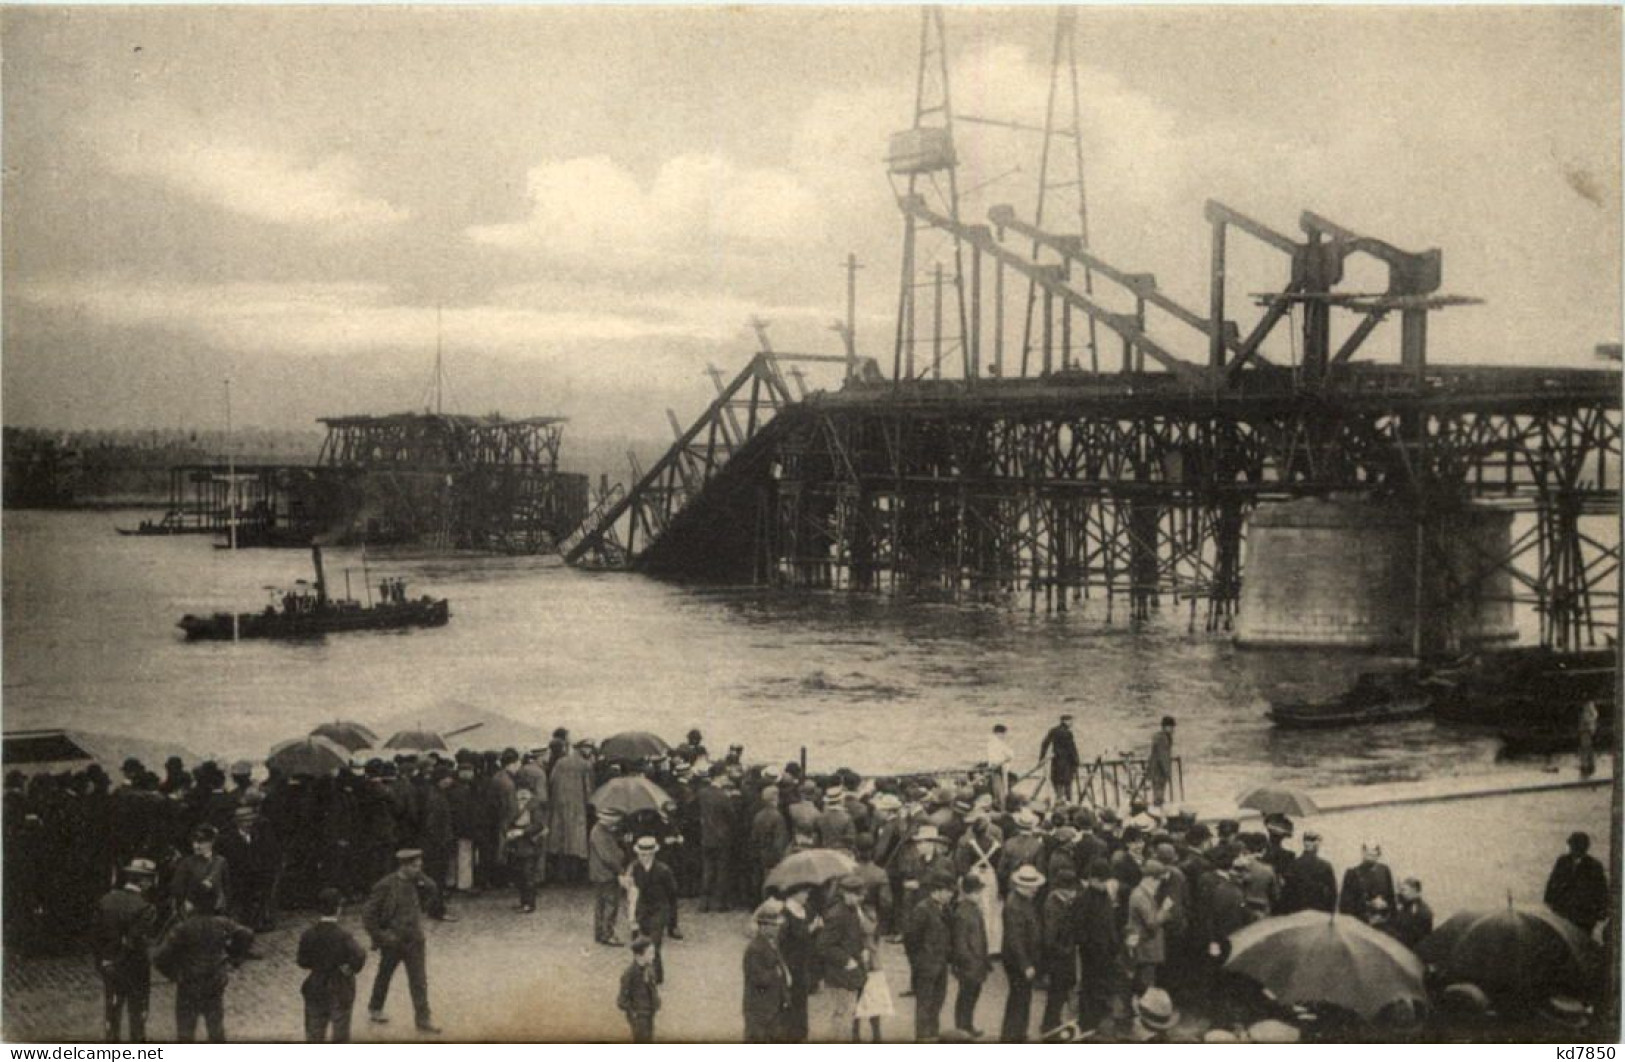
<point x="875" y="684"/>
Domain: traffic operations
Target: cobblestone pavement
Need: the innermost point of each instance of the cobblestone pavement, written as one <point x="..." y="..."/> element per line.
<point x="500" y="975"/>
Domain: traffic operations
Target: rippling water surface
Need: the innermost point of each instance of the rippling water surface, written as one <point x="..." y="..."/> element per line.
<point x="879" y="685"/>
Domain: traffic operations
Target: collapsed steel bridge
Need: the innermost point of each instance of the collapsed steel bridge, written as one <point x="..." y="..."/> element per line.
<point x="1048" y="468"/>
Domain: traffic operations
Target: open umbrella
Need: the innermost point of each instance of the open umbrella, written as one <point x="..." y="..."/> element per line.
<point x="628" y="795"/>
<point x="1529" y="952"/>
<point x="1278" y="800"/>
<point x="416" y="741"/>
<point x="632" y="745"/>
<point x="351" y="735"/>
<point x="308" y="756"/>
<point x="812" y="866"/>
<point x="1314" y="957"/>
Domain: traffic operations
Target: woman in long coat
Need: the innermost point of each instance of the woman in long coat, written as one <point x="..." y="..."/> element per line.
<point x="568" y="787"/>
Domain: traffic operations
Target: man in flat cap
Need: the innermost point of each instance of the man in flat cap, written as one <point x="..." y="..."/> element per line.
<point x="126" y="923"/>
<point x="197" y="955"/>
<point x="1159" y="766"/>
<point x="1062" y="750"/>
<point x="766" y="978"/>
<point x="393" y="919"/>
<point x="1310" y="883"/>
<point x="333" y="957"/>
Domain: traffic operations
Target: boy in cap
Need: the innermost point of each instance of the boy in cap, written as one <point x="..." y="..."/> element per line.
<point x="196" y="955"/>
<point x="333" y="957"/>
<point x="125" y="924"/>
<point x="843" y="951"/>
<point x="766" y="978"/>
<point x="393" y="919"/>
<point x="639" y="998"/>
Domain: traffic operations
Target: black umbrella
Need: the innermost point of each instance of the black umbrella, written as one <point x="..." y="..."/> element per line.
<point x="632" y="745"/>
<point x="416" y="741"/>
<point x="351" y="735"/>
<point x="308" y="757"/>
<point x="1528" y="952"/>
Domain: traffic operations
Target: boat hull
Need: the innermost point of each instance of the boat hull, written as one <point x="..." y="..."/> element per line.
<point x="316" y="623"/>
<point x="1314" y="716"/>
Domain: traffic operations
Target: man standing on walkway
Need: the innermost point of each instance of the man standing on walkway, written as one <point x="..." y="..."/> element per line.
<point x="843" y="952"/>
<point x="1062" y="750"/>
<point x="928" y="942"/>
<point x="970" y="951"/>
<point x="569" y="788"/>
<point x="1578" y="886"/>
<point x="333" y="958"/>
<point x="656" y="889"/>
<point x="999" y="758"/>
<point x="197" y="955"/>
<point x="1369" y="881"/>
<point x="766" y="978"/>
<point x="393" y="919"/>
<point x="1023" y="948"/>
<point x="126" y="923"/>
<point x="1310" y="884"/>
<point x="605" y="860"/>
<point x="1159" y="766"/>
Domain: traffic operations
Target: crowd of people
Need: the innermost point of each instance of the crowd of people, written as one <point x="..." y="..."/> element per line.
<point x="1120" y="921"/>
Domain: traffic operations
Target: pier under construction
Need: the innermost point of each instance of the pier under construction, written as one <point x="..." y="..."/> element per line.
<point x="439" y="481"/>
<point x="1046" y="435"/>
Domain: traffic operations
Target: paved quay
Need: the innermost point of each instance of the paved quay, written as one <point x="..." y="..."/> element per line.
<point x="500" y="975"/>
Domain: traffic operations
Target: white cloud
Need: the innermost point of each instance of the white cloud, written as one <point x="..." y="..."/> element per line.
<point x="696" y="205"/>
<point x="336" y="319"/>
<point x="321" y="192"/>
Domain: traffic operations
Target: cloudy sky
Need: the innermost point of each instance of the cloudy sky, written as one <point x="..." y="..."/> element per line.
<point x="598" y="200"/>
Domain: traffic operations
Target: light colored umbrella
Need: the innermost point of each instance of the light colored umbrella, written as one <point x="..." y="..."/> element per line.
<point x="812" y="866"/>
<point x="308" y="756"/>
<point x="628" y="795"/>
<point x="1278" y="800"/>
<point x="1315" y="957"/>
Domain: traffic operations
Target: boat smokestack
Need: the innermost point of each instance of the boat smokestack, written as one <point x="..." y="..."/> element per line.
<point x="321" y="576"/>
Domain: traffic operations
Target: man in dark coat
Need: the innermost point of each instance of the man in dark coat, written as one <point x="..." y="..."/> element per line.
<point x="126" y="923"/>
<point x="766" y="978"/>
<point x="1578" y="886"/>
<point x="1060" y="949"/>
<point x="969" y="956"/>
<point x="524" y="846"/>
<point x="657" y="896"/>
<point x="1023" y="952"/>
<point x="1412" y="919"/>
<point x="1371" y="880"/>
<point x="605" y="861"/>
<point x="843" y="954"/>
<point x="203" y="865"/>
<point x="196" y="955"/>
<point x="1159" y="766"/>
<point x="769" y="834"/>
<point x="928" y="941"/>
<point x="252" y="861"/>
<point x="393" y="919"/>
<point x="796" y="947"/>
<point x="1062" y="749"/>
<point x="1102" y="958"/>
<point x="333" y="957"/>
<point x="1311" y="884"/>
<point x="716" y="815"/>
